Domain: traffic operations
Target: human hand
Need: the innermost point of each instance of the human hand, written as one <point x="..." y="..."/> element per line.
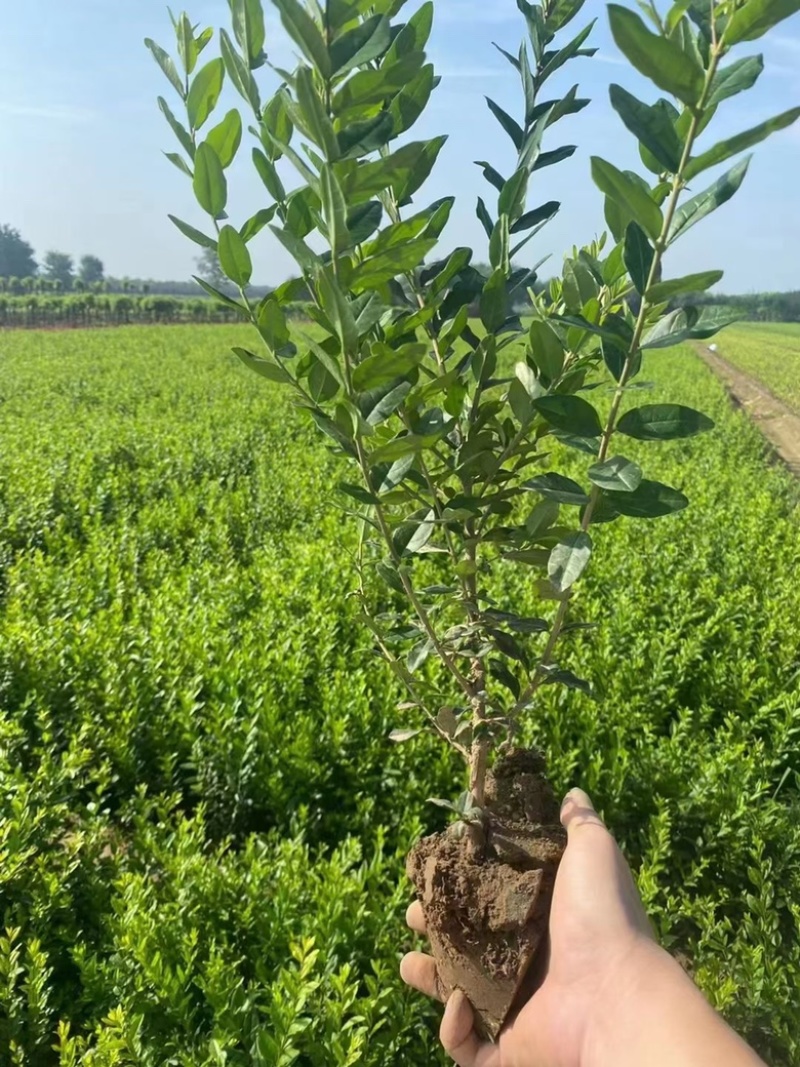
<point x="599" y="940"/>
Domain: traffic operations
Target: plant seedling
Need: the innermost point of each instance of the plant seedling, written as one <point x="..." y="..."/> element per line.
<point x="449" y="393"/>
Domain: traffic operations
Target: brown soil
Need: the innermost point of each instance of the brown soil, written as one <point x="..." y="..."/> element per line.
<point x="779" y="423"/>
<point x="487" y="912"/>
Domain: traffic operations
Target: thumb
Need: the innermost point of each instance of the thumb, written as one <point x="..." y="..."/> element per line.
<point x="578" y="811"/>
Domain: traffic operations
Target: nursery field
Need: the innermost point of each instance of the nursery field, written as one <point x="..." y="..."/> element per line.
<point x="202" y="822"/>
<point x="769" y="352"/>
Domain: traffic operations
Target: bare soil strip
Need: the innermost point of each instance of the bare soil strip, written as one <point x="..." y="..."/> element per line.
<point x="779" y="423"/>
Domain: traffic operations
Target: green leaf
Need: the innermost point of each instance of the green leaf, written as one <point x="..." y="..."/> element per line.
<point x="639" y="255"/>
<point x="512" y="128"/>
<point x="193" y="234"/>
<point x="272" y="325"/>
<point x="691" y="283"/>
<point x="671" y="329"/>
<point x="239" y="73"/>
<point x="276" y="119"/>
<point x="338" y="309"/>
<point x="204" y="93"/>
<point x="379" y="404"/>
<point x="234" y="257"/>
<point x="559" y="488"/>
<point x="570" y="413"/>
<point x="651" y="125"/>
<point x="179" y="162"/>
<point x="494" y="302"/>
<point x="248" y="28"/>
<point x="735" y="79"/>
<point x="381" y="268"/>
<point x="367" y="89"/>
<point x="512" y="198"/>
<point x="306" y="259"/>
<point x="712" y="320"/>
<point x="274" y="372"/>
<point x="397" y="737"/>
<point x="562" y="12"/>
<point x="361" y="138"/>
<point x="411" y="102"/>
<point x="556" y="60"/>
<point x="742" y="141"/>
<point x="187" y="49"/>
<point x="334" y="209"/>
<point x="387" y="365"/>
<point x="419" y="172"/>
<point x="629" y="194"/>
<point x="537" y="217"/>
<point x="704" y="203"/>
<point x="569" y="560"/>
<point x="650" y="500"/>
<point x="306" y="34"/>
<point x="210" y="186"/>
<point x="546" y="349"/>
<point x="269" y="175"/>
<point x="410" y="537"/>
<point x="167" y="66"/>
<point x="491" y="175"/>
<point x="221" y="298"/>
<point x="318" y="126"/>
<point x="366" y="41"/>
<point x="363" y="221"/>
<point x="663" y="422"/>
<point x="542" y="517"/>
<point x="620" y="474"/>
<point x="658" y="58"/>
<point x="256" y="223"/>
<point x="226" y="138"/>
<point x="180" y="131"/>
<point x="756" y="17"/>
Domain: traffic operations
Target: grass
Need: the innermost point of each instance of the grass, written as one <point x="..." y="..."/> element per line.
<point x="203" y="825"/>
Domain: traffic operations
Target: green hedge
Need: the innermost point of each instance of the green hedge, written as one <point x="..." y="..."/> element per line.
<point x="203" y="825"/>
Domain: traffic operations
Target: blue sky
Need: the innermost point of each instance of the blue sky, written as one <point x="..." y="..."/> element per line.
<point x="81" y="137"/>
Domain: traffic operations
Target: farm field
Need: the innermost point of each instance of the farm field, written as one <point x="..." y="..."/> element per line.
<point x="203" y="823"/>
<point x="769" y="352"/>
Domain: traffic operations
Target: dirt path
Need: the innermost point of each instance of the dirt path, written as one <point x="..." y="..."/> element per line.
<point x="779" y="423"/>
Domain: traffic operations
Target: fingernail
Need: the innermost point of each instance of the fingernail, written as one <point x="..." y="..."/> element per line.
<point x="579" y="798"/>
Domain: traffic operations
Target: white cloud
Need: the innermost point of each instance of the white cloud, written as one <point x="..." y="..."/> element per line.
<point x="614" y="61"/>
<point x="790" y="44"/>
<point x="50" y="112"/>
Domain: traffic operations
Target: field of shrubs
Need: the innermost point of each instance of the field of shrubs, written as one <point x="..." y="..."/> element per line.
<point x="769" y="352"/>
<point x="202" y="822"/>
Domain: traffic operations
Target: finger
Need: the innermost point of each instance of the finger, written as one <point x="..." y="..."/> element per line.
<point x="419" y="971"/>
<point x="457" y="1034"/>
<point x="415" y="918"/>
<point x="578" y="810"/>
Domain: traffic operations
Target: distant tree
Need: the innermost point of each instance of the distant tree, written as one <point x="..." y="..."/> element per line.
<point x="16" y="255"/>
<point x="91" y="270"/>
<point x="209" y="269"/>
<point x="59" y="267"/>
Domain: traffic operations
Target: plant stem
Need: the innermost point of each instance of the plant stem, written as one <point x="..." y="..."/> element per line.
<point x="678" y="185"/>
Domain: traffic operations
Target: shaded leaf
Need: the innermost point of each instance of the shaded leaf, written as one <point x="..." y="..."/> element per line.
<point x="663" y="422"/>
<point x="557" y="487"/>
<point x="650" y="500"/>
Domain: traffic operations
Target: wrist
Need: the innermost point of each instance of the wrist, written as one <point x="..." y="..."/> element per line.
<point x="651" y="1014"/>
